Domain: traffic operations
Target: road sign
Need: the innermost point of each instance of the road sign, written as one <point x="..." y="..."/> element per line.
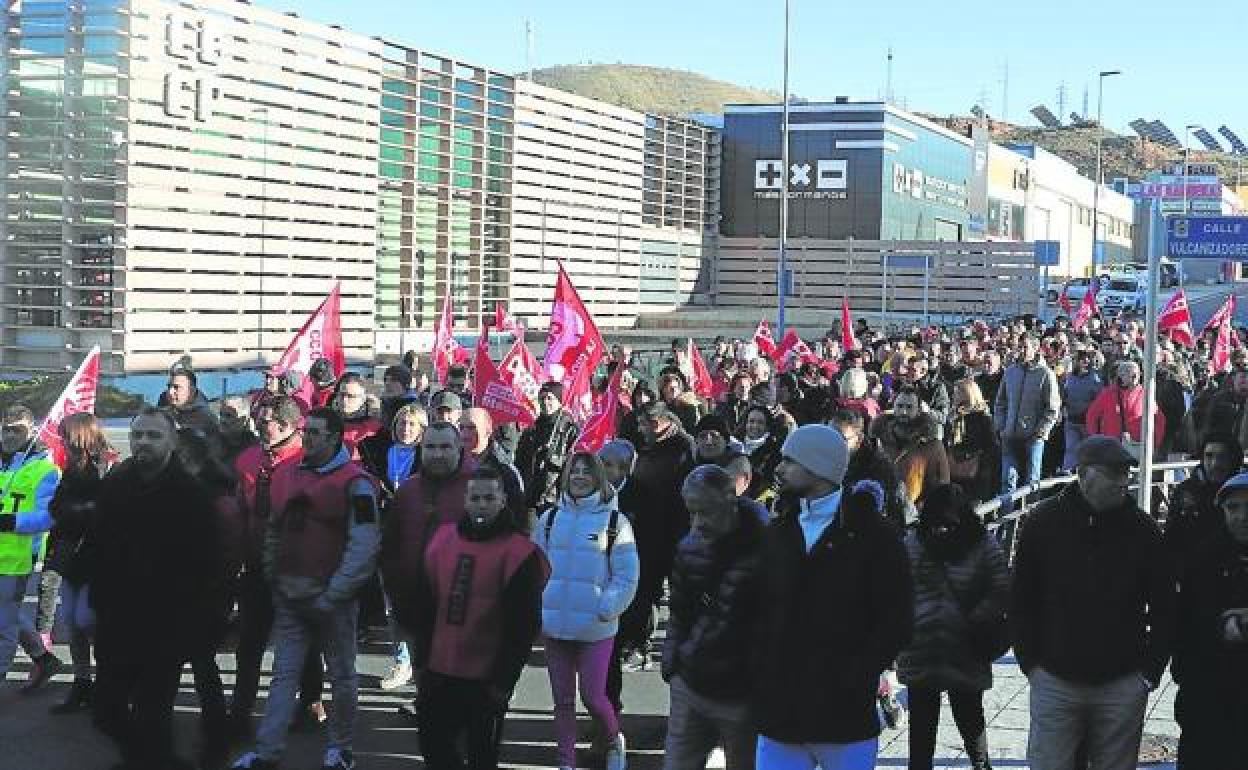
<point x="1207" y="237"/>
<point x="1048" y="253"/>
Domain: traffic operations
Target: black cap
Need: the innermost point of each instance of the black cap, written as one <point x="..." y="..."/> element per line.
<point x="1103" y="450"/>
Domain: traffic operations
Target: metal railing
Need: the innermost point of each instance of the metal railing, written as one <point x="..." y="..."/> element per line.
<point x="1020" y="502"/>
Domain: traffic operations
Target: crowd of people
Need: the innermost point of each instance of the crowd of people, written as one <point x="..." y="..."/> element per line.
<point x="809" y="526"/>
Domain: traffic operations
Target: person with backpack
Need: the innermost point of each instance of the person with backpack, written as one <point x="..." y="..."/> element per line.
<point x="594" y="574"/>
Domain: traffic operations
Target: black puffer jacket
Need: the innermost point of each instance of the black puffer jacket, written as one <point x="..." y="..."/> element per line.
<point x="540" y="454"/>
<point x="73" y="510"/>
<point x="708" y="640"/>
<point x="1193" y="517"/>
<point x="660" y="472"/>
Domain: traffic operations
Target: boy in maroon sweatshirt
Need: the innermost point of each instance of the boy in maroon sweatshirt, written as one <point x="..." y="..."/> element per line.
<point x="480" y="608"/>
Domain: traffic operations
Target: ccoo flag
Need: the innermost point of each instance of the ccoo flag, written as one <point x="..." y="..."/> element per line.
<point x="319" y="337"/>
<point x="1176" y="318"/>
<point x="573" y="347"/>
<point x="78" y="396"/>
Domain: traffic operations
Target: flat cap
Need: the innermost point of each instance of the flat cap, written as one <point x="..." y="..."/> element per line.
<point x="1103" y="450"/>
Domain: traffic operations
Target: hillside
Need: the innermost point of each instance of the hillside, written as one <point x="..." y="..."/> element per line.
<point x="1122" y="156"/>
<point x="651" y="89"/>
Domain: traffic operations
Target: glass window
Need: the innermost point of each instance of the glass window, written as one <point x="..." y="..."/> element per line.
<point x="432" y="111"/>
<point x="466" y="103"/>
<point x="463" y="181"/>
<point x="433" y="95"/>
<point x="429" y="175"/>
<point x="499" y="95"/>
<point x="391" y="170"/>
<point x="463" y="164"/>
<point x="500" y="111"/>
<point x="429" y="159"/>
<point x="464" y="134"/>
<point x="394" y="86"/>
<point x="434" y="129"/>
<point x="391" y="153"/>
<point x="52" y="46"/>
<point x="393" y="103"/>
<point x="468" y="87"/>
<point x="464" y="150"/>
<point x="393" y="119"/>
<point x="430" y="143"/>
<point x="390" y="136"/>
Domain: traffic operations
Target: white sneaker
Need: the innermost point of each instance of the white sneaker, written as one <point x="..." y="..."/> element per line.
<point x="400" y="675"/>
<point x="617" y="754"/>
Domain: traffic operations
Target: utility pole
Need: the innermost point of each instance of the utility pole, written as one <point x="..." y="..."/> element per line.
<point x="782" y="267"/>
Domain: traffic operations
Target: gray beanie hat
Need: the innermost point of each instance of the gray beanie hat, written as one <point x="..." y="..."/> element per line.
<point x="820" y="450"/>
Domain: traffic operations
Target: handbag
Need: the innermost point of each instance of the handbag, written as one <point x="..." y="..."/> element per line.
<point x="990" y="639"/>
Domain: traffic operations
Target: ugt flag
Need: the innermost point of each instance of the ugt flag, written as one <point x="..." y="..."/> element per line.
<point x="763" y="340"/>
<point x="492" y="394"/>
<point x="573" y="347"/>
<point x="78" y="396"/>
<point x="1176" y="318"/>
<point x="319" y="337"/>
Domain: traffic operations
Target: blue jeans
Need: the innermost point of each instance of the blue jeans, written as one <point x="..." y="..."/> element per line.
<point x="1075" y="432"/>
<point x="1020" y="463"/>
<point x="295" y="627"/>
<point x="773" y="755"/>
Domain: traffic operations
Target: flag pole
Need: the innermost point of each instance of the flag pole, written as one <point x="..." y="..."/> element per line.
<point x="1145" y="497"/>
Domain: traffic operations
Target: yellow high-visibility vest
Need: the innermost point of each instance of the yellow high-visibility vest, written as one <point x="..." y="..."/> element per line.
<point x="17" y="551"/>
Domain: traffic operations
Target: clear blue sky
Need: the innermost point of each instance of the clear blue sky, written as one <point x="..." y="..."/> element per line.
<point x="1180" y="66"/>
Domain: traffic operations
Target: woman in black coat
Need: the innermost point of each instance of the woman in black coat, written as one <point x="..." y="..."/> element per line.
<point x="971" y="441"/>
<point x="960" y="579"/>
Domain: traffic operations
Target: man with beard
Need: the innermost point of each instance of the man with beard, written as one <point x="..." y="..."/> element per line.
<point x="868" y="462"/>
<point x="544" y="447"/>
<point x="834" y="607"/>
<point x="279" y="421"/>
<point x="186" y="403"/>
<point x="663" y="460"/>
<point x="990" y="374"/>
<point x="1194" y="517"/>
<point x="358" y="420"/>
<point x="320" y="548"/>
<point x="1092" y="613"/>
<point x="909" y="436"/>
<point x="932" y="391"/>
<point x="156" y="549"/>
<point x="430" y="498"/>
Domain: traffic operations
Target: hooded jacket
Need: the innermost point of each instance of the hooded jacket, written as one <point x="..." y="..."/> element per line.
<point x="588" y="588"/>
<point x="1105" y="415"/>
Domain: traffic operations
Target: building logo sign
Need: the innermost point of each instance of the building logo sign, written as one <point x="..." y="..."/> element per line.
<point x="916" y="184"/>
<point x="199" y="44"/>
<point x="826" y="179"/>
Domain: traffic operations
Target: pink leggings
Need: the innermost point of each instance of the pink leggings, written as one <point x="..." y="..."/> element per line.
<point x="565" y="660"/>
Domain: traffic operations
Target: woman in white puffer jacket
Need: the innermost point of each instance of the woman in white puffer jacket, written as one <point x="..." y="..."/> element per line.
<point x="594" y="570"/>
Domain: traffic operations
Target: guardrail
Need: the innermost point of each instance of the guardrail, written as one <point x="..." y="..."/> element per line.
<point x="1005" y="527"/>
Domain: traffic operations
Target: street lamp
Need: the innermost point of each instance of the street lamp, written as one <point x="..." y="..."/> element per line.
<point x="1100" y="139"/>
<point x="1187" y="149"/>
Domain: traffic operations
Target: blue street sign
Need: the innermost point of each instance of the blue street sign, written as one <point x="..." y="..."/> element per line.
<point x="787" y="287"/>
<point x="1048" y="253"/>
<point x="1207" y="237"/>
<point x="906" y="260"/>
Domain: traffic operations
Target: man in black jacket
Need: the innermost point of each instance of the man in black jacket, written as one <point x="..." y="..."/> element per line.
<point x="834" y="607"/>
<point x="1093" y="610"/>
<point x="868" y="461"/>
<point x="708" y="640"/>
<point x="1211" y="649"/>
<point x="1194" y="517"/>
<point x="157" y="549"/>
<point x="544" y="446"/>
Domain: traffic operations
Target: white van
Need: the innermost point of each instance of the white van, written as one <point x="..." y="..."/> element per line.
<point x="1122" y="292"/>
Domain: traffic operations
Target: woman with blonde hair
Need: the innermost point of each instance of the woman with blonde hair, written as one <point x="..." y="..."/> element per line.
<point x="594" y="571"/>
<point x="88" y="458"/>
<point x="974" y="454"/>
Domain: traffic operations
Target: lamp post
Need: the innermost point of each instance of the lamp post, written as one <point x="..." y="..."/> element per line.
<point x="782" y="267"/>
<point x="1100" y="139"/>
<point x="1187" y="150"/>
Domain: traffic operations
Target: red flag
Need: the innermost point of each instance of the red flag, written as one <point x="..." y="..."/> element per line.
<point x="763" y="340"/>
<point x="600" y="427"/>
<point x="1064" y="300"/>
<point x="1087" y="308"/>
<point x="1221" y="361"/>
<point x="445" y="349"/>
<point x="573" y="348"/>
<point x="78" y="396"/>
<point x="1224" y="315"/>
<point x="501" y="399"/>
<point x="848" y="341"/>
<point x="319" y="337"/>
<point x="702" y="383"/>
<point x="1176" y="318"/>
<point x="519" y="369"/>
<point x="794" y="344"/>
<point x="504" y="322"/>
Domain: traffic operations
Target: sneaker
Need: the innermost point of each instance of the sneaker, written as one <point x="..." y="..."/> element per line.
<point x="338" y="759"/>
<point x="400" y="674"/>
<point x="45" y="667"/>
<point x="79" y="698"/>
<point x="617" y="754"/>
<point x="252" y="761"/>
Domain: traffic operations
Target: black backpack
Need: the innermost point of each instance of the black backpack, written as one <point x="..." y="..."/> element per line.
<point x="613" y="530"/>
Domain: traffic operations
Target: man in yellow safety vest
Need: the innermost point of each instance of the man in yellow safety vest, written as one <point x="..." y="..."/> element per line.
<point x="28" y="480"/>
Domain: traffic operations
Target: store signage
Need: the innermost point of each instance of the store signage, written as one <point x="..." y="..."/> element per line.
<point x="825" y="179"/>
<point x="199" y="44"/>
<point x="917" y="184"/>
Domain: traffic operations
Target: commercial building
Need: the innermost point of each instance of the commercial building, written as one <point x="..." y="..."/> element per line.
<point x="1034" y="195"/>
<point x="186" y="177"/>
<point x="863" y="170"/>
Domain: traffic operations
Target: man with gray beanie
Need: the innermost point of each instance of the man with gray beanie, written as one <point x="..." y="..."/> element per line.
<point x="835" y="606"/>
